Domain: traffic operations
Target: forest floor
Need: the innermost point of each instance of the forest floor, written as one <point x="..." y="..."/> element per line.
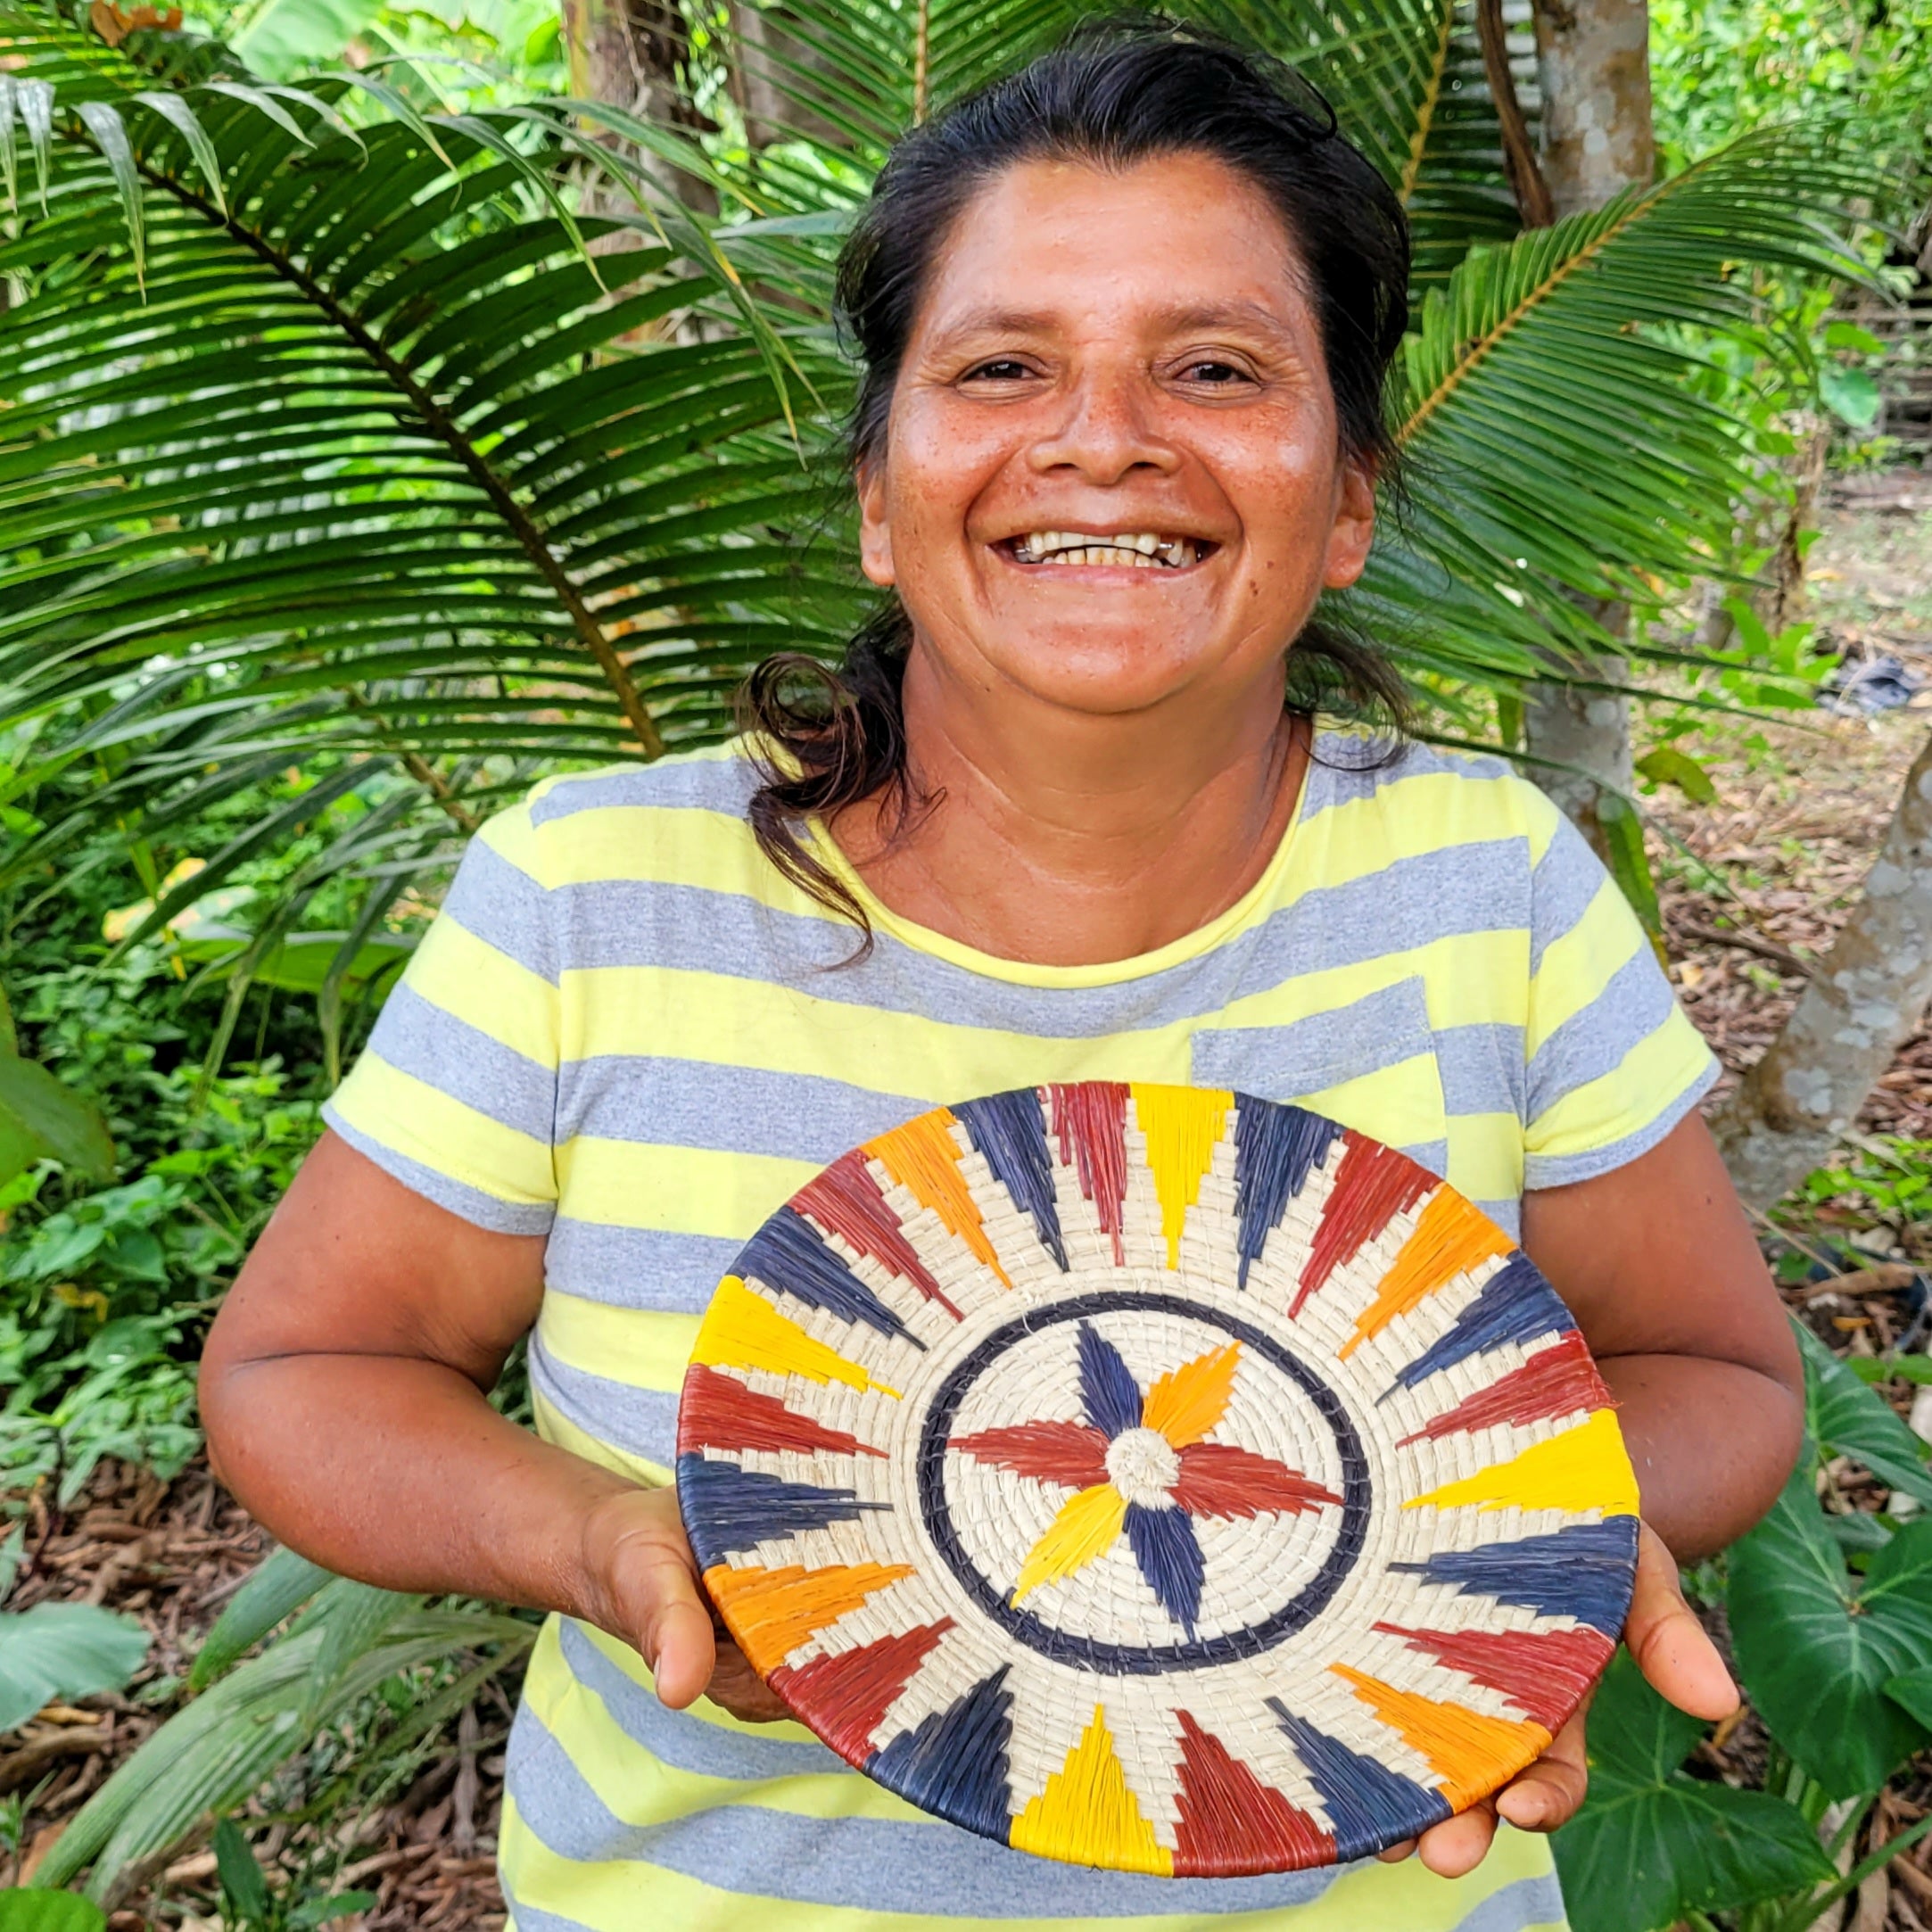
<point x="1753" y="887"/>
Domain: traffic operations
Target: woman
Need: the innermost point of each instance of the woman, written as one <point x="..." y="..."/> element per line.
<point x="1125" y="321"/>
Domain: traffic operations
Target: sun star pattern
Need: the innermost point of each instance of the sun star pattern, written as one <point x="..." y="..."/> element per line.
<point x="1157" y="1478"/>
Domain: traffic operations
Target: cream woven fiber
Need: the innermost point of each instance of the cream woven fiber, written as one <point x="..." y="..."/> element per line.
<point x="1157" y="1478"/>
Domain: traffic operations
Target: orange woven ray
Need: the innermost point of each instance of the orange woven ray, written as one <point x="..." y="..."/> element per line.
<point x="1470" y="1754"/>
<point x="924" y="1158"/>
<point x="1449" y="1237"/>
<point x="772" y="1612"/>
<point x="1186" y="1402"/>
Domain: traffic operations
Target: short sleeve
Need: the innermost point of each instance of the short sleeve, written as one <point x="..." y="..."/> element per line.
<point x="456" y="1093"/>
<point x="1612" y="1060"/>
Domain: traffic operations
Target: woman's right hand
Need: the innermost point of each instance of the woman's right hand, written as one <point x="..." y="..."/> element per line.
<point x="644" y="1590"/>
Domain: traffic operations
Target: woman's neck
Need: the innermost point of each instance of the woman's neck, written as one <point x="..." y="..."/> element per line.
<point x="1074" y="840"/>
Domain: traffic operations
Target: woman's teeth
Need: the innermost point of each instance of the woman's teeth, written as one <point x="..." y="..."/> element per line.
<point x="1134" y="550"/>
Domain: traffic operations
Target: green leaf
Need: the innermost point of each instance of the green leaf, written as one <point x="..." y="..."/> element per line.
<point x="288" y="34"/>
<point x="1851" y="395"/>
<point x="58" y="1650"/>
<point x="1651" y="1846"/>
<point x="41" y="1118"/>
<point x="314" y="1912"/>
<point x="1912" y="1691"/>
<point x="1667" y="765"/>
<point x="1843" y="335"/>
<point x="241" y="1876"/>
<point x="282" y="1583"/>
<point x="1846" y="1417"/>
<point x="1630" y="863"/>
<point x="33" y="1909"/>
<point x="1816" y="1647"/>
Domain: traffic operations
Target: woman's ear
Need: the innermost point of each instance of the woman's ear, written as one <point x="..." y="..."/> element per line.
<point x="875" y="532"/>
<point x="1354" y="528"/>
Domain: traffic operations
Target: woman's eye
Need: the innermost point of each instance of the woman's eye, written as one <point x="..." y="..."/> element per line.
<point x="1219" y="375"/>
<point x="1000" y="370"/>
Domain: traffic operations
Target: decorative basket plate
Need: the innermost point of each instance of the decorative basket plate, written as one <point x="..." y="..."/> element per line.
<point x="1157" y="1478"/>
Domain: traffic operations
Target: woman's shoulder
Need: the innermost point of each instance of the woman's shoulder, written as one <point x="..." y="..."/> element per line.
<point x="1418" y="794"/>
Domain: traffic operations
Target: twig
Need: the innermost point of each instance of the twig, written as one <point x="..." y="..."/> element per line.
<point x="1527" y="181"/>
<point x="1747" y="942"/>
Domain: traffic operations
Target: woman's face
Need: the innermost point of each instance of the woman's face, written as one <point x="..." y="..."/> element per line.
<point x="1112" y="473"/>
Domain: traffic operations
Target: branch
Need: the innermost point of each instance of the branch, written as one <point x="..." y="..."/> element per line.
<point x="1527" y="181"/>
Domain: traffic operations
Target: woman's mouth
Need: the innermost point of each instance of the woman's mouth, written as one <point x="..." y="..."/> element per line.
<point x="1119" y="549"/>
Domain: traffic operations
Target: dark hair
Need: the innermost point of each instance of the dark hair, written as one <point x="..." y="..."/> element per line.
<point x="1113" y="95"/>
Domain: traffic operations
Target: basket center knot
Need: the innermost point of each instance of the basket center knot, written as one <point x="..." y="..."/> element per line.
<point x="1143" y="1465"/>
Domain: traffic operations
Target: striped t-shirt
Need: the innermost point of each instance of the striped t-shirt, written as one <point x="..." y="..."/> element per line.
<point x="628" y="1033"/>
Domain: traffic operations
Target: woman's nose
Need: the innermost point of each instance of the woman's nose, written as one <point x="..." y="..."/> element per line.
<point x="1106" y="430"/>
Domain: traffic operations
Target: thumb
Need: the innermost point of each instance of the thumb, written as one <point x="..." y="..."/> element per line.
<point x="1678" y="1659"/>
<point x="675" y="1632"/>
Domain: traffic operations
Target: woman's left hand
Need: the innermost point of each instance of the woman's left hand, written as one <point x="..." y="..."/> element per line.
<point x="1680" y="1664"/>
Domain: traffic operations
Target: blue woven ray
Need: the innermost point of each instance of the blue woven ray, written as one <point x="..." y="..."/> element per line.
<point x="954" y="1764"/>
<point x="1109" y="1392"/>
<point x="1368" y="1805"/>
<point x="728" y="1510"/>
<point x="1276" y="1150"/>
<point x="1009" y="1134"/>
<point x="1581" y="1571"/>
<point x="788" y="1253"/>
<point x="1514" y="1304"/>
<point x="1169" y="1554"/>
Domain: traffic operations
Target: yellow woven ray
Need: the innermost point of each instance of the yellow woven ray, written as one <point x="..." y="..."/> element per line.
<point x="1469" y="1753"/>
<point x="924" y="1159"/>
<point x="1087" y="1814"/>
<point x="1186" y="1402"/>
<point x="1085" y="1528"/>
<point x="743" y="1330"/>
<point x="1583" y="1468"/>
<point x="1183" y="1125"/>
<point x="772" y="1612"/>
<point x="1449" y="1237"/>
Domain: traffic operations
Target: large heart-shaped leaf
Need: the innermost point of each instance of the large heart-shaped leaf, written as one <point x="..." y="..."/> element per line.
<point x="64" y="1650"/>
<point x="40" y="1118"/>
<point x="1847" y="1419"/>
<point x="1650" y="1844"/>
<point x="1817" y="1644"/>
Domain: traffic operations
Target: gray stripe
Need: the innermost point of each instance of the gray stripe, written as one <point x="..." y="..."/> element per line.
<point x="474" y="1206"/>
<point x="1351" y="771"/>
<point x="636" y="1268"/>
<point x="638" y="1421"/>
<point x="1431" y="1154"/>
<point x="1599" y="1039"/>
<point x="1411" y="902"/>
<point x="1558" y="1171"/>
<point x="1563" y="888"/>
<point x="1482" y="1069"/>
<point x="687" y="1743"/>
<point x="505" y="908"/>
<point x="704" y="785"/>
<point x="465" y="1063"/>
<point x="677" y="1104"/>
<point x="1283" y="1063"/>
<point x="930" y="1871"/>
<point x="1508" y="1215"/>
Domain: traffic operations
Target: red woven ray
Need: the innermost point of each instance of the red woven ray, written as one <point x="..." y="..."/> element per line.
<point x="1556" y="1381"/>
<point x="848" y="1694"/>
<point x="1218" y="1479"/>
<point x="1543" y="1673"/>
<point x="718" y="1411"/>
<point x="1066" y="1452"/>
<point x="1229" y="1823"/>
<point x="1089" y="1123"/>
<point x="846" y="1200"/>
<point x="1373" y="1185"/>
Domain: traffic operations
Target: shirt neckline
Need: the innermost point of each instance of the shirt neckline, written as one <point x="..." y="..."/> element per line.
<point x="1204" y="939"/>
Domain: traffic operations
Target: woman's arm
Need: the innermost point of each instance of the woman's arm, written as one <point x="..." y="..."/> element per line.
<point x="1658" y="1263"/>
<point x="344" y="1392"/>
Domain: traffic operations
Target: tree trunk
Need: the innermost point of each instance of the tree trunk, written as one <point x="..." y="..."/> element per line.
<point x="1593" y="67"/>
<point x="632" y="53"/>
<point x="1861" y="1006"/>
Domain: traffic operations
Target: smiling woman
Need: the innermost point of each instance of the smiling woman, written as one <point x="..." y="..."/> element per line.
<point x="1083" y="809"/>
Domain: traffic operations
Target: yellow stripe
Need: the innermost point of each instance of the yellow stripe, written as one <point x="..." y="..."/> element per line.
<point x="420" y="1122"/>
<point x="1088" y="1816"/>
<point x="555" y="1427"/>
<point x="1582" y="1469"/>
<point x="743" y="1330"/>
<point x="645" y="1350"/>
<point x="680" y="1190"/>
<point x="468" y="978"/>
<point x="1642" y="1086"/>
<point x="1576" y="968"/>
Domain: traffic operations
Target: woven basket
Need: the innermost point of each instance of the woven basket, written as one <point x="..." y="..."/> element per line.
<point x="1157" y="1478"/>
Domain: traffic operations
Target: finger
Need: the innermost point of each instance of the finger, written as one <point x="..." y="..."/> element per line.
<point x="1458" y="1845"/>
<point x="735" y="1685"/>
<point x="1547" y="1793"/>
<point x="1395" y="1854"/>
<point x="1672" y="1649"/>
<point x="674" y="1620"/>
